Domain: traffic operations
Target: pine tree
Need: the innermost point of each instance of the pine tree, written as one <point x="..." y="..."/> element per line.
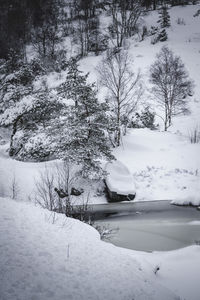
<point x="162" y="36"/>
<point x="80" y="135"/>
<point x="73" y="83"/>
<point x="164" y="17"/>
<point x="16" y="79"/>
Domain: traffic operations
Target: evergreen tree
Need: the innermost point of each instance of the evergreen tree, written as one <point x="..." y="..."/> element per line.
<point x="16" y="78"/>
<point x="164" y="17"/>
<point x="80" y="133"/>
<point x="147" y="118"/>
<point x="73" y="83"/>
<point x="162" y="35"/>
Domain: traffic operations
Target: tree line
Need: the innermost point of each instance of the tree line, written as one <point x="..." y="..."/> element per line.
<point x="44" y="23"/>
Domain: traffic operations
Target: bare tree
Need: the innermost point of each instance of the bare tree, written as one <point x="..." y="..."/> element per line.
<point x="125" y="15"/>
<point x="14" y="187"/>
<point x="54" y="191"/>
<point x="45" y="193"/>
<point x="171" y="85"/>
<point x="124" y="88"/>
<point x="66" y="175"/>
<point x="45" y="41"/>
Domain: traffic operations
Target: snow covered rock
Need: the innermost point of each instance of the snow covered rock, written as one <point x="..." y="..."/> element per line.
<point x="119" y="182"/>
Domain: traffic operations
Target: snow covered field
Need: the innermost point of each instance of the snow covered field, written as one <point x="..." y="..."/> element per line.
<point x="164" y="165"/>
<point x="46" y="256"/>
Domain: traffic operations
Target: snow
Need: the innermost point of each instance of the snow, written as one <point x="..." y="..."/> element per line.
<point x="44" y="255"/>
<point x="190" y="200"/>
<point x="48" y="256"/>
<point x="164" y="165"/>
<point x="194" y="223"/>
<point x="119" y="179"/>
<point x="179" y="270"/>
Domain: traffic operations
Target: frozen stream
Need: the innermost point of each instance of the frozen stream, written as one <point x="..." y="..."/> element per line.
<point x="150" y="226"/>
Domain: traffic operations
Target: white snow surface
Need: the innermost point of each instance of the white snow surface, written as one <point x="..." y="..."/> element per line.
<point x="178" y="270"/>
<point x="165" y="166"/>
<point x="119" y="179"/>
<point x="48" y="256"/>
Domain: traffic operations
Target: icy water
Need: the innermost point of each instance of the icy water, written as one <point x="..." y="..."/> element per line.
<point x="150" y="226"/>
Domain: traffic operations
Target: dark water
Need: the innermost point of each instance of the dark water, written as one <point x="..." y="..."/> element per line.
<point x="150" y="226"/>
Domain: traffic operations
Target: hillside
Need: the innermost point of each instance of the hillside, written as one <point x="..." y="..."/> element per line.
<point x="165" y="165"/>
<point x="82" y="83"/>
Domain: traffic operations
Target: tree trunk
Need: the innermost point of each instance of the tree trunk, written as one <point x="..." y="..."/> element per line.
<point x="166" y="119"/>
<point x="118" y="124"/>
<point x="154" y="5"/>
<point x="14" y="130"/>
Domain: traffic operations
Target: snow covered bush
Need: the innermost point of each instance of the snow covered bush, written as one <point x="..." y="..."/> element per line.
<point x="32" y="147"/>
<point x="31" y="120"/>
<point x="16" y="79"/>
<point x="145" y="119"/>
<point x="160" y="36"/>
<point x="153" y="30"/>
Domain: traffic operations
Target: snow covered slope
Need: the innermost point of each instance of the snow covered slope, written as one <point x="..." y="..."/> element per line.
<point x="164" y="165"/>
<point x="178" y="270"/>
<point x="45" y="256"/>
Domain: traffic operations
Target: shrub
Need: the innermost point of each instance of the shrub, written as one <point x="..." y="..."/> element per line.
<point x="197" y="13"/>
<point x="180" y="21"/>
<point x="194" y="135"/>
<point x="145" y="119"/>
<point x="153" y="30"/>
<point x="54" y="190"/>
<point x="160" y="36"/>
